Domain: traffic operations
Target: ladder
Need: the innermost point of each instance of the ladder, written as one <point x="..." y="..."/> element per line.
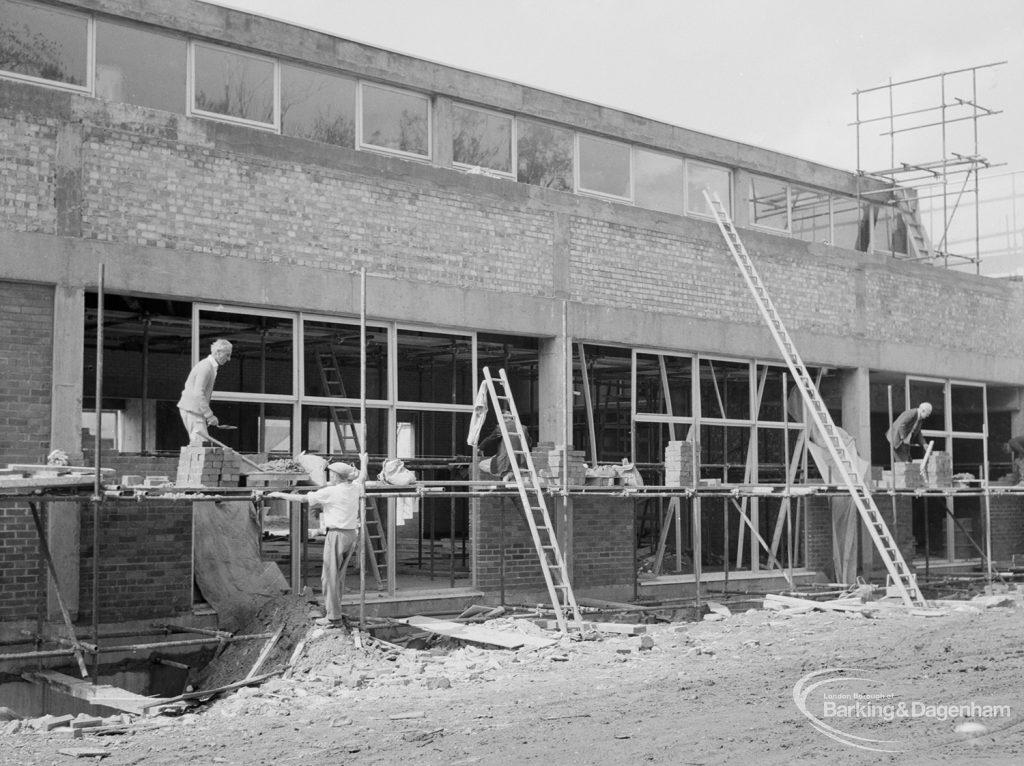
<point x="917" y="236"/>
<point x="333" y="386"/>
<point x="903" y="580"/>
<point x="556" y="576"/>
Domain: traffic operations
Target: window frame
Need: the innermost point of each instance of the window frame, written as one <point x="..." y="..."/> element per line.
<point x="638" y="149"/>
<point x="90" y="53"/>
<point x="190" y="90"/>
<point x="513" y="138"/>
<point x="578" y="167"/>
<point x="688" y="162"/>
<point x="787" y="186"/>
<point x="361" y="144"/>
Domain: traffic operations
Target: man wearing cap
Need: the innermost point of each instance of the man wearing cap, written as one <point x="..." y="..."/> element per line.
<point x="340" y="501"/>
<point x="907" y="428"/>
<point x="194" y="404"/>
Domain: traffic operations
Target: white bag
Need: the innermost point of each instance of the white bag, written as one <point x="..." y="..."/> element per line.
<point x="394" y="472"/>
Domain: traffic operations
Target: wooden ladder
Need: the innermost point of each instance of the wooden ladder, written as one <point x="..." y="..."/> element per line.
<point x="904" y="581"/>
<point x="556" y="576"/>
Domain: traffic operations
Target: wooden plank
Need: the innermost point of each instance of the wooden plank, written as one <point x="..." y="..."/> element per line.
<point x="826" y="606"/>
<point x="478" y="634"/>
<point x="96" y="694"/>
<point x="626" y="629"/>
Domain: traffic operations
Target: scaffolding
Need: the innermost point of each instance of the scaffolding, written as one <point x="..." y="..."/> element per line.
<point x="930" y="129"/>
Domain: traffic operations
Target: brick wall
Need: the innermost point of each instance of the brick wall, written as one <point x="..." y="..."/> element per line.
<point x="603" y="545"/>
<point x="19" y="567"/>
<point x="219" y="190"/>
<point x="145" y="560"/>
<point x="26" y="359"/>
<point x="1006" y="513"/>
<point x="603" y="542"/>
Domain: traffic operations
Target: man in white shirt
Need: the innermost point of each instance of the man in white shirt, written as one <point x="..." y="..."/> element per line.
<point x="340" y="501"/>
<point x="194" y="404"/>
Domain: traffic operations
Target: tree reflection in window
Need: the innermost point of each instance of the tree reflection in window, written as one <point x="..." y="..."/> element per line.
<point x="44" y="43"/>
<point x="545" y="155"/>
<point x="318" y="106"/>
<point x="396" y="120"/>
<point x="482" y="139"/>
<point x="234" y="85"/>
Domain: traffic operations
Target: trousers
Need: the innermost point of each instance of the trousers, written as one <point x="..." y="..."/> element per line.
<point x="339" y="546"/>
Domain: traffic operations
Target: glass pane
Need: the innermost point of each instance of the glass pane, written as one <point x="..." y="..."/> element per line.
<point x="809" y="212"/>
<point x="968" y="406"/>
<point x="768" y="203"/>
<point x="932" y="392"/>
<point x="545" y="155"/>
<point x="658" y="181"/>
<point x="262" y="353"/>
<point x="435" y="367"/>
<point x="136" y="66"/>
<point x="396" y="120"/>
<point x="769" y="385"/>
<point x="43" y="42"/>
<point x="723" y="453"/>
<point x="339" y="433"/>
<point x="318" y="106"/>
<point x="849" y="224"/>
<point x="724" y="389"/>
<point x="609" y="372"/>
<point x="653" y="373"/>
<point x="482" y="139"/>
<point x="234" y="84"/>
<point x="424" y="434"/>
<point x="260" y="427"/>
<point x="700" y="177"/>
<point x="604" y="166"/>
<point x="332" y="360"/>
<point x="890" y="231"/>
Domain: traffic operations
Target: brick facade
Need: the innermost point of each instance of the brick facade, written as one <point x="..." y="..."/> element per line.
<point x="1007" y="515"/>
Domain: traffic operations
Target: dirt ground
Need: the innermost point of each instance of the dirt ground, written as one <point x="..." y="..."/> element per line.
<point x="718" y="691"/>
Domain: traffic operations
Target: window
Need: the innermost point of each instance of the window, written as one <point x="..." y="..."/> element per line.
<point x="109" y="429"/>
<point x="482" y="139"/>
<point x="809" y="214"/>
<point x="700" y="177"/>
<point x="658" y="374"/>
<point x="135" y="66"/>
<point x="44" y="43"/>
<point x="890" y="232"/>
<point x="261" y="357"/>
<point x="849" y="224"/>
<point x="724" y="390"/>
<point x="230" y="84"/>
<point x="333" y="360"/>
<point x="544" y="155"/>
<point x="435" y="367"/>
<point x="658" y="181"/>
<point x="395" y="120"/>
<point x="769" y="203"/>
<point x="604" y="167"/>
<point x="318" y="106"/>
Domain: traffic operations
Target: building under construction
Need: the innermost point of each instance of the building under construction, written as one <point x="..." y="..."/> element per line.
<point x="371" y="231"/>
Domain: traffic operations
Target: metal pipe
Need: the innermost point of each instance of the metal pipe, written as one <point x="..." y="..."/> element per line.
<point x="97" y="497"/>
<point x="362" y="420"/>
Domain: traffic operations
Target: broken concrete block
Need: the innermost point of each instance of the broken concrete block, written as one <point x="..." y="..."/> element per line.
<point x="83" y="721"/>
<point x="646" y="643"/>
<point x="439" y="682"/>
<point x="57" y="721"/>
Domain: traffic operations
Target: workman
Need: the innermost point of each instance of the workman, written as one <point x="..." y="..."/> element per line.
<point x="194" y="404"/>
<point x="906" y="429"/>
<point x="500" y="464"/>
<point x="340" y="501"/>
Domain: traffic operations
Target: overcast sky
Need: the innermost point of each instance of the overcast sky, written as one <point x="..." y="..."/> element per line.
<point x="778" y="74"/>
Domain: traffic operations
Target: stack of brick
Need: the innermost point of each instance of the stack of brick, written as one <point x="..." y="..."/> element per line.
<point x="207" y="467"/>
<point x="681" y="458"/>
<point x="559" y="461"/>
<point x="907" y="476"/>
<point x="539" y="454"/>
<point x="939" y="471"/>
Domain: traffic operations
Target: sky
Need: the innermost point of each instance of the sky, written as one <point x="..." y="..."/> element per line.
<point x="779" y="75"/>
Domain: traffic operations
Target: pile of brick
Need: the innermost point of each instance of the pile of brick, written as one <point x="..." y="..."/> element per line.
<point x="939" y="471"/>
<point x="681" y="459"/>
<point x="551" y="463"/>
<point x="207" y="467"/>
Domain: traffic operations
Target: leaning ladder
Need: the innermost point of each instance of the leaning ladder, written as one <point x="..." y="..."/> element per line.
<point x="556" y="576"/>
<point x="904" y="581"/>
<point x="334" y="386"/>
